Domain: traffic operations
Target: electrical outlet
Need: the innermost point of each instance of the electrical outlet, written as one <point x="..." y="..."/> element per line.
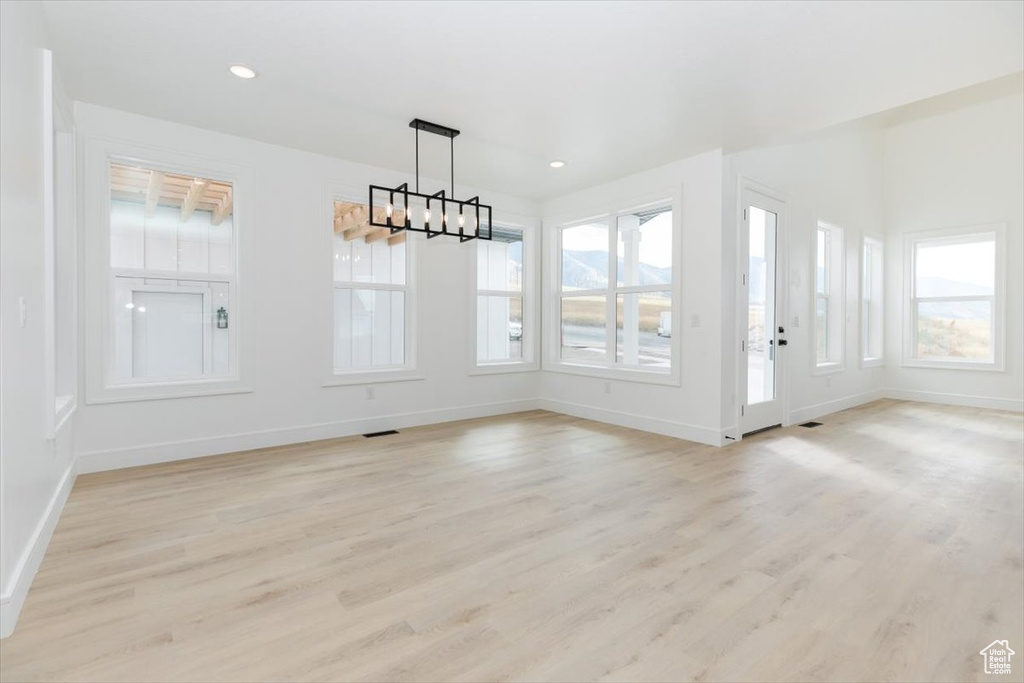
<point x="607" y="387"/>
<point x="370" y="394"/>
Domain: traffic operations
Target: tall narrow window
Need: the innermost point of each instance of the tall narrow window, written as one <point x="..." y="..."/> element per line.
<point x="172" y="276"/>
<point x="828" y="297"/>
<point x="954" y="308"/>
<point x="371" y="291"/>
<point x="871" y="302"/>
<point x="615" y="298"/>
<point x="501" y="286"/>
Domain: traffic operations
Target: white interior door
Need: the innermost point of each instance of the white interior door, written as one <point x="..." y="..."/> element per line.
<point x="762" y="337"/>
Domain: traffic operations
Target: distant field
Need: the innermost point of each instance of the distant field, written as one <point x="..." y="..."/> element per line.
<point x="589" y="311"/>
<point x="953" y="338"/>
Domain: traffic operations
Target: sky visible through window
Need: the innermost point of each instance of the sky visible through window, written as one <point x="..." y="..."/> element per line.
<point x="655" y="247"/>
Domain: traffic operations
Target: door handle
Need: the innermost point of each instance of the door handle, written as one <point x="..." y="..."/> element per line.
<point x="783" y="342"/>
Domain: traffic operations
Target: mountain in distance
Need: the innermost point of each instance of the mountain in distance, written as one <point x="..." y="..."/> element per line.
<point x="589" y="270"/>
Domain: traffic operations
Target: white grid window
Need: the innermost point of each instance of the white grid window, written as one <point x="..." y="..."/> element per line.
<point x="829" y="276"/>
<point x="955" y="298"/>
<point x="872" y="314"/>
<point x="615" y="292"/>
<point x="371" y="294"/>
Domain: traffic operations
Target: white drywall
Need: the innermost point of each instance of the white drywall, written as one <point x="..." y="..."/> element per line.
<point x="35" y="473"/>
<point x="959" y="168"/>
<point x="690" y="410"/>
<point x="836" y="179"/>
<point x="291" y="294"/>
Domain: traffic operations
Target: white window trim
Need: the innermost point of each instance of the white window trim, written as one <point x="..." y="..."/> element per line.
<point x="404" y="373"/>
<point x="879" y="298"/>
<point x="531" y="315"/>
<point x="955" y="235"/>
<point x="99" y="152"/>
<point x="552" y="361"/>
<point x="830" y="366"/>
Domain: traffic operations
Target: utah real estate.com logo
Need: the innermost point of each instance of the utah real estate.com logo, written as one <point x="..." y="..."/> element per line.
<point x="997" y="657"/>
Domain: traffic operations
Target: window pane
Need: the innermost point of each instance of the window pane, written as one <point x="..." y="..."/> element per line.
<point x="821" y="329"/>
<point x="365" y="254"/>
<point x="499" y="333"/>
<point x="585" y="257"/>
<point x="583" y="329"/>
<point x="821" y="270"/>
<point x="168" y="221"/>
<point x="369" y="329"/>
<point x="643" y="329"/>
<point x="645" y="248"/>
<point x="871" y="303"/>
<point x="500" y="261"/>
<point x="964" y="269"/>
<point x="954" y="330"/>
<point x="170" y="329"/>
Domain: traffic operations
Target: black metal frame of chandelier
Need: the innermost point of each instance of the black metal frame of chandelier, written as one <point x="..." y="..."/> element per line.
<point x="403" y="191"/>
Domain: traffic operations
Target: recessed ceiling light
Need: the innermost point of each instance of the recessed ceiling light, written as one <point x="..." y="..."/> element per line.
<point x="242" y="71"/>
<point x="556" y="163"/>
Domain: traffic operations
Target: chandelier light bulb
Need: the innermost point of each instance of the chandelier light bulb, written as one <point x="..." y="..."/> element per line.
<point x="389" y="210"/>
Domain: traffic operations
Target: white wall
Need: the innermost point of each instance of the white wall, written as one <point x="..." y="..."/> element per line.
<point x="691" y="410"/>
<point x="836" y="179"/>
<point x="291" y="298"/>
<point x="960" y="168"/>
<point x="34" y="472"/>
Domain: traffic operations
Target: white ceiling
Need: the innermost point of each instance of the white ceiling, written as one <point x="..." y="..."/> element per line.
<point x="613" y="88"/>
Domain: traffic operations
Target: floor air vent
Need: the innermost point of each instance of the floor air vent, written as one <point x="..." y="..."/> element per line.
<point x="811" y="424"/>
<point x="373" y="434"/>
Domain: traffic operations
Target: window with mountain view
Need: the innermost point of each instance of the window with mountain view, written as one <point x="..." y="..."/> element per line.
<point x="954" y="304"/>
<point x="617" y="312"/>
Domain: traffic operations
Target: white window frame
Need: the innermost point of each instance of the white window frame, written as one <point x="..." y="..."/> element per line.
<point x="100" y="152"/>
<point x="961" y="235"/>
<point x="408" y="371"/>
<point x="531" y="315"/>
<point x="835" y="320"/>
<point x="612" y="368"/>
<point x="59" y="247"/>
<point x="877" y="299"/>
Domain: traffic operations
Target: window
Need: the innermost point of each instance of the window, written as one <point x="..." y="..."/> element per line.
<point x="955" y="307"/>
<point x="500" y="290"/>
<point x="615" y="297"/>
<point x="172" y="276"/>
<point x="871" y="305"/>
<point x="828" y="298"/>
<point x="371" y="295"/>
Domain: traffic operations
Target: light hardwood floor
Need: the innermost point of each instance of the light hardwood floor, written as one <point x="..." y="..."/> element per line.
<point x="884" y="545"/>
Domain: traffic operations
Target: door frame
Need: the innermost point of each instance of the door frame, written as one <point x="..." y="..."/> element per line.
<point x="743" y="186"/>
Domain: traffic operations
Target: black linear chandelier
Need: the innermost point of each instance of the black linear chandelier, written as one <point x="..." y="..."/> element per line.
<point x="399" y="208"/>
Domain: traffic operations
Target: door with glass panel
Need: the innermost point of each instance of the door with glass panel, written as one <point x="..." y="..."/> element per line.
<point x="762" y="332"/>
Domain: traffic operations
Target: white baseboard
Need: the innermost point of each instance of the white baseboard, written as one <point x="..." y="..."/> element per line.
<point x="24" y="570"/>
<point x="679" y="430"/>
<point x="819" y="409"/>
<point x="1015" y="405"/>
<point x="101" y="461"/>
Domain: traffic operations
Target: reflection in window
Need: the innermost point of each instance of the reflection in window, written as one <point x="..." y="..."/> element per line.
<point x="172" y="275"/>
<point x="370" y="292"/>
<point x="500" y="278"/>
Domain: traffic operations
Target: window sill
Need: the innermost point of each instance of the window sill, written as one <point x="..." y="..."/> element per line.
<point x="988" y="366"/>
<point x="372" y="377"/>
<point x="124" y="393"/>
<point x="502" y="368"/>
<point x="827" y="368"/>
<point x="670" y="378"/>
<point x="872" y="362"/>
